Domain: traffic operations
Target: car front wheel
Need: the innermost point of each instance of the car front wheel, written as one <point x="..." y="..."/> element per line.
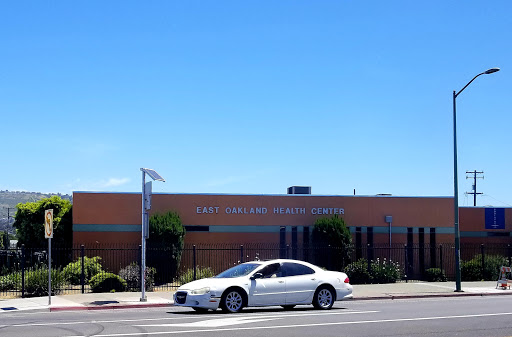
<point x="232" y="301"/>
<point x="323" y="299"/>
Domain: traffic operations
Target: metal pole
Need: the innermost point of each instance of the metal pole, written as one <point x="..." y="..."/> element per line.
<point x="458" y="287"/>
<point x="455" y="181"/>
<point x="49" y="271"/>
<point x="143" y="246"/>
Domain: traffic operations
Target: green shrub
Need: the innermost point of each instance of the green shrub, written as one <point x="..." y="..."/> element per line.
<point x="107" y="282"/>
<point x="36" y="282"/>
<point x="131" y="274"/>
<point x="472" y="270"/>
<point x="9" y="281"/>
<point x="357" y="272"/>
<point x="73" y="271"/>
<point x="435" y="275"/>
<point x="383" y="271"/>
<point x="188" y="276"/>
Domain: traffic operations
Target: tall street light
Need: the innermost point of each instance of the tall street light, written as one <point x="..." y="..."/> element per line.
<point x="146" y="206"/>
<point x="456" y="184"/>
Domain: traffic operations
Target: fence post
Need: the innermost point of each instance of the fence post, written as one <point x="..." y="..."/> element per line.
<point x="194" y="260"/>
<point x="82" y="276"/>
<point x="241" y="253"/>
<point x="406" y="264"/>
<point x="22" y="270"/>
<point x="483" y="260"/>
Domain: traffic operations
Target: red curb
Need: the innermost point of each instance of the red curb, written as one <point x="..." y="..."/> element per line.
<point x="112" y="307"/>
<point x="428" y="296"/>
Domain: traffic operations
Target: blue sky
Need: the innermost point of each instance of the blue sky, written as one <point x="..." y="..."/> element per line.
<point x="252" y="97"/>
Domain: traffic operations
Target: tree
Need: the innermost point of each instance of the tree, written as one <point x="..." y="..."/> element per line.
<point x="29" y="223"/>
<point x="333" y="241"/>
<point x="165" y="245"/>
<point x="4" y="240"/>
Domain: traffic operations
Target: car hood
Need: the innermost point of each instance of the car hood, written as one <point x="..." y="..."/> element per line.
<point x="213" y="283"/>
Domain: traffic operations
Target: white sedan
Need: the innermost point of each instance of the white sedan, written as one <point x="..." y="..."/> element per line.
<point x="265" y="283"/>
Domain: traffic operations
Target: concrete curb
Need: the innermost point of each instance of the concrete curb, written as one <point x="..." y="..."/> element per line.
<point x="398" y="297"/>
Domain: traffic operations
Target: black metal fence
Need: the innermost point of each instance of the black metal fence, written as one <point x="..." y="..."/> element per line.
<point x="23" y="271"/>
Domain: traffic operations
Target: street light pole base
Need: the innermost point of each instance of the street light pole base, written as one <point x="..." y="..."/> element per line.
<point x="143" y="299"/>
<point x="458" y="291"/>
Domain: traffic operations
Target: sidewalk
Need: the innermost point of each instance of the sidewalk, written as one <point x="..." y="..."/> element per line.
<point x="125" y="300"/>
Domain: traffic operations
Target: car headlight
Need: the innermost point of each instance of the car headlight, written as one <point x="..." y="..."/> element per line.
<point x="200" y="291"/>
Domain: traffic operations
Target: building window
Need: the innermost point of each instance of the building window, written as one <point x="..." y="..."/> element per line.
<point x="433" y="257"/>
<point x="410" y="253"/>
<point x="282" y="242"/>
<point x="359" y="243"/>
<point x="369" y="241"/>
<point x="294" y="242"/>
<point x="421" y="247"/>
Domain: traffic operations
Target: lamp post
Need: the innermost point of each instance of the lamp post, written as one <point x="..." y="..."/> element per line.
<point x="456" y="184"/>
<point x="146" y="206"/>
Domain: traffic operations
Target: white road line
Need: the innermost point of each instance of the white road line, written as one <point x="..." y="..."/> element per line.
<point x="299" y="325"/>
<point x="256" y="315"/>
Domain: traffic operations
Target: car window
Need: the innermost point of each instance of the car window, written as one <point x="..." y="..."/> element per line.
<point x="240" y="270"/>
<point x="294" y="269"/>
<point x="271" y="271"/>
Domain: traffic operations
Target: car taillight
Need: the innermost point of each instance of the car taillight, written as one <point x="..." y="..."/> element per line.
<point x="347" y="280"/>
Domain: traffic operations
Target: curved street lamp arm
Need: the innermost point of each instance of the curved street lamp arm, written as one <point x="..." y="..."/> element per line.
<point x="461" y="90"/>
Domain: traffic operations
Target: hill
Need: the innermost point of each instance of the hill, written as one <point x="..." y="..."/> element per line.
<point x="9" y="200"/>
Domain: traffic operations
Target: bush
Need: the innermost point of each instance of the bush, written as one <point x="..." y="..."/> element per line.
<point x="357" y="272"/>
<point x="73" y="271"/>
<point x="472" y="270"/>
<point x="188" y="276"/>
<point x="435" y="275"/>
<point x="36" y="282"/>
<point x="107" y="282"/>
<point x="380" y="271"/>
<point x="9" y="282"/>
<point x="385" y="272"/>
<point x="131" y="274"/>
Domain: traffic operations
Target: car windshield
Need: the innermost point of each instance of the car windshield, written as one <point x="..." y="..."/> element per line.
<point x="240" y="270"/>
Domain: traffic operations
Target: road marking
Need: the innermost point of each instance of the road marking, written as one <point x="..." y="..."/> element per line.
<point x="212" y="323"/>
<point x="300" y="325"/>
<point x="194" y="316"/>
<point x="250" y="319"/>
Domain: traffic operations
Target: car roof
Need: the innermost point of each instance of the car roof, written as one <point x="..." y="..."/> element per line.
<point x="282" y="261"/>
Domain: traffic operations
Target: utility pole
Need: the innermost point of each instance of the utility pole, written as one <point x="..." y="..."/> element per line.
<point x="474" y="173"/>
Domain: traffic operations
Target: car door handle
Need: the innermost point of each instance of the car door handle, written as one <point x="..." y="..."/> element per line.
<point x="280" y="281"/>
<point x="313" y="279"/>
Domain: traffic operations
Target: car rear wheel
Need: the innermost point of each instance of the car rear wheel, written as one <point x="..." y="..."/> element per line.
<point x="232" y="301"/>
<point x="323" y="299"/>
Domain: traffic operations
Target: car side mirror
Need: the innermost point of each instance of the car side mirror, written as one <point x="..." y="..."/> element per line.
<point x="256" y="276"/>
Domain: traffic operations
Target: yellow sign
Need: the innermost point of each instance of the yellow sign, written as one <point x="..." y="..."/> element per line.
<point x="48" y="224"/>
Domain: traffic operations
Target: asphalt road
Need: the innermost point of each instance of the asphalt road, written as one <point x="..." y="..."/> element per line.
<point x="467" y="316"/>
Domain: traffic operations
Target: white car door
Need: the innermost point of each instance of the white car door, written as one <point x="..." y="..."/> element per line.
<point x="269" y="288"/>
<point x="301" y="283"/>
